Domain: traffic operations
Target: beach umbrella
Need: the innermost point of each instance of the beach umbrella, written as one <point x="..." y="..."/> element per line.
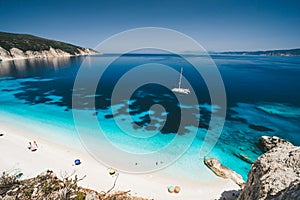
<point x="112" y="171"/>
<point x="177" y="189"/>
<point x="77" y="162"/>
<point x="170" y="189"/>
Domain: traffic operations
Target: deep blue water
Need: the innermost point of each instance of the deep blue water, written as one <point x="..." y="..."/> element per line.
<point x="262" y="99"/>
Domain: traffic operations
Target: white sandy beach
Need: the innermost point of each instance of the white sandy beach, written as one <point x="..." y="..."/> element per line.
<point x="60" y="159"/>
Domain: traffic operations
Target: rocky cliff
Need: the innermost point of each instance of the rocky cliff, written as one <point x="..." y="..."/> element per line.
<point x="15" y="53"/>
<point x="22" y="46"/>
<point x="275" y="174"/>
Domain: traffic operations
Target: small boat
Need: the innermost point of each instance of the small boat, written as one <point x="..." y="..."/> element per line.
<point x="179" y="89"/>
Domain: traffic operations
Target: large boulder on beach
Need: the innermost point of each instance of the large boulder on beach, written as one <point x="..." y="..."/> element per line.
<point x="275" y="174"/>
<point x="224" y="172"/>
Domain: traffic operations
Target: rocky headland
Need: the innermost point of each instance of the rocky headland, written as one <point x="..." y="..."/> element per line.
<point x="274" y="175"/>
<point x="23" y="46"/>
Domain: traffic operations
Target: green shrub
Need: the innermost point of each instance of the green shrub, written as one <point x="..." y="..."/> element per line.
<point x="30" y="42"/>
<point x="28" y="192"/>
<point x="80" y="196"/>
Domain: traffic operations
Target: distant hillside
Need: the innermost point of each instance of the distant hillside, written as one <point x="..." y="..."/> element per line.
<point x="14" y="46"/>
<point x="289" y="52"/>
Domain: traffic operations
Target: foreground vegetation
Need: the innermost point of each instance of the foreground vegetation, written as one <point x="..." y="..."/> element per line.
<point x="48" y="186"/>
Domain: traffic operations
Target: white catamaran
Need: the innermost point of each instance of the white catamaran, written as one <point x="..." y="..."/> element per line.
<point x="179" y="89"/>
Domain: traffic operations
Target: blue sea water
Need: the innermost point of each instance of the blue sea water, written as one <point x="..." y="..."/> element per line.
<point x="262" y="99"/>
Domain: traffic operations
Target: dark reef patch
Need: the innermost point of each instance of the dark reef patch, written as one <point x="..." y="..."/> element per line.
<point x="260" y="128"/>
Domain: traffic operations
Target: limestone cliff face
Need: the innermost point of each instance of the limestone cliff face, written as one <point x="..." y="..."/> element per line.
<point x="275" y="174"/>
<point x="4" y="54"/>
<point x="15" y="53"/>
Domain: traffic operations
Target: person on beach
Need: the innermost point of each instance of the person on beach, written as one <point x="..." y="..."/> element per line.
<point x="29" y="145"/>
<point x="32" y="147"/>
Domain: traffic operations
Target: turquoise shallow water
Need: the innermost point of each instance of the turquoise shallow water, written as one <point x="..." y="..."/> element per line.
<point x="262" y="100"/>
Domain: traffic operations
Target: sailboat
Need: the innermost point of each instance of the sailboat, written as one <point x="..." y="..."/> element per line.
<point x="179" y="89"/>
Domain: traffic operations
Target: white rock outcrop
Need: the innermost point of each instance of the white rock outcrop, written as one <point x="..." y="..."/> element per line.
<point x="4" y="54"/>
<point x="15" y="53"/>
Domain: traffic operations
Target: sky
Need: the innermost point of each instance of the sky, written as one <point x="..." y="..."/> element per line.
<point x="218" y="25"/>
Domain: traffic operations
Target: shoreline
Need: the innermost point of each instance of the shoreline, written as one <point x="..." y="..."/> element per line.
<point x="25" y="58"/>
<point x="46" y="57"/>
<point x="153" y="185"/>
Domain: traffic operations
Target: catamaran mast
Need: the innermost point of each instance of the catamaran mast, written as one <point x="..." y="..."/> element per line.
<point x="179" y="84"/>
